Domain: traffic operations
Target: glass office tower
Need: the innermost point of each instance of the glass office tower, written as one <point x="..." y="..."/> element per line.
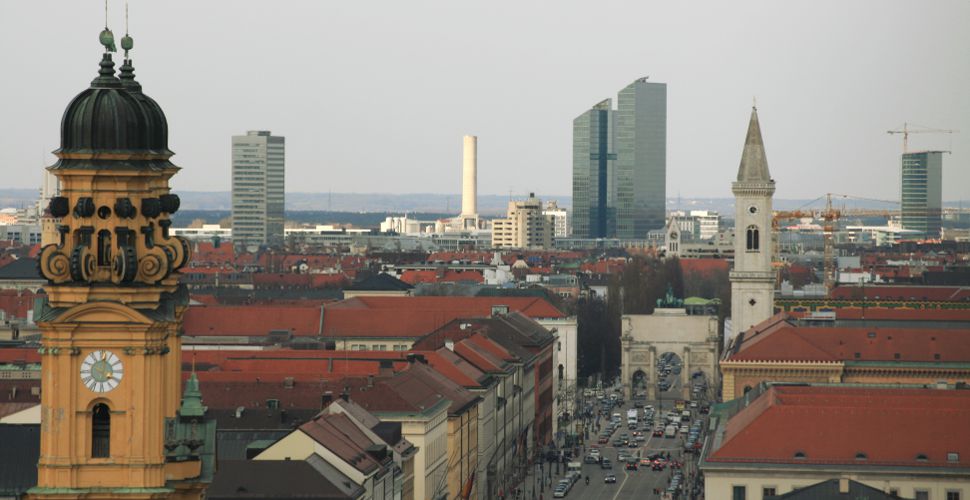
<point x="922" y="192"/>
<point x="620" y="164"/>
<point x="593" y="159"/>
<point x="641" y="159"/>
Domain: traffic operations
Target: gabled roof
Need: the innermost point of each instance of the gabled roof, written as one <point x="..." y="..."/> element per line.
<point x="829" y="490"/>
<point x="339" y="434"/>
<point x="380" y="282"/>
<point x="510" y="337"/>
<point x="850" y="426"/>
<point x="778" y="339"/>
<point x="274" y="479"/>
<point x="21" y="269"/>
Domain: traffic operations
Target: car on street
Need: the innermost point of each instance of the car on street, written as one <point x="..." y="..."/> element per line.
<point x="658" y="432"/>
<point x="645" y="461"/>
<point x="631" y="466"/>
<point x="609" y="478"/>
<point x="603" y="440"/>
<point x="606" y="464"/>
<point x="658" y="466"/>
<point x="591" y="459"/>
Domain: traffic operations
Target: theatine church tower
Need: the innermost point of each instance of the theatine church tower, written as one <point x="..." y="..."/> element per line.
<point x="114" y="421"/>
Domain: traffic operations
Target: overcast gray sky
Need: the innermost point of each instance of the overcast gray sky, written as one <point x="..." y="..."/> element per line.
<point x="375" y="96"/>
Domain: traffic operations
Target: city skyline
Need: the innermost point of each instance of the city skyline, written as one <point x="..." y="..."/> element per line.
<point x="377" y="88"/>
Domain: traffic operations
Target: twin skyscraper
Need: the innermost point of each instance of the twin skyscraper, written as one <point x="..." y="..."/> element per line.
<point x="620" y="164"/>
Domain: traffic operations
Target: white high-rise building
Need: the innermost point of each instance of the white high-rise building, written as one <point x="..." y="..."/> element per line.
<point x="753" y="279"/>
<point x="560" y="219"/>
<point x="525" y="226"/>
<point x="258" y="173"/>
<point x="708" y="223"/>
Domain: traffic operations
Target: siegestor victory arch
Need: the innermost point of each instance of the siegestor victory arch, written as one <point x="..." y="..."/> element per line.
<point x="646" y="337"/>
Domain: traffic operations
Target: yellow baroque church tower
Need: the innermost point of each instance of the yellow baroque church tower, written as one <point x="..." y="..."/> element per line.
<point x="114" y="422"/>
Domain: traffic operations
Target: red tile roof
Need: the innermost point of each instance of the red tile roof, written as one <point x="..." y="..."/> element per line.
<point x="339" y="323"/>
<point x="210" y="320"/>
<point x="534" y="307"/>
<point x="831" y="425"/>
<point x="17" y="304"/>
<point x="19" y="355"/>
<point x="780" y="340"/>
<point x="703" y="266"/>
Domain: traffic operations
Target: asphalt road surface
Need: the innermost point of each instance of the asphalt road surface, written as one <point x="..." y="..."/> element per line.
<point x="630" y="484"/>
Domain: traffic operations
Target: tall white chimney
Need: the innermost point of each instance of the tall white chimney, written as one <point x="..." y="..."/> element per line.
<point x="469" y="176"/>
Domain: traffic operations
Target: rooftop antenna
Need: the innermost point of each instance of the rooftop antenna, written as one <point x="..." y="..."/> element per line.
<point x="126" y="42"/>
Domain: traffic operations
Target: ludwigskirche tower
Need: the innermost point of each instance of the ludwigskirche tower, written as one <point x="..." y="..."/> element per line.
<point x="115" y="422"/>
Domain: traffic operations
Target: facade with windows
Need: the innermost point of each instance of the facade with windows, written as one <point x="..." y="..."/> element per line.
<point x="620" y="164"/>
<point x="526" y="226"/>
<point x="922" y="192"/>
<point x="258" y="164"/>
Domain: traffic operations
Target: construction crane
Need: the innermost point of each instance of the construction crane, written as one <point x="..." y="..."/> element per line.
<point x="922" y="130"/>
<point x="829" y="217"/>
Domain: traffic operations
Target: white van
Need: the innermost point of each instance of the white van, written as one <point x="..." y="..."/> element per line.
<point x="671" y="431"/>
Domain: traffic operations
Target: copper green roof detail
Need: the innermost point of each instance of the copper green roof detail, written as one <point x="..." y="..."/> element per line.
<point x="192" y="399"/>
<point x="113" y="125"/>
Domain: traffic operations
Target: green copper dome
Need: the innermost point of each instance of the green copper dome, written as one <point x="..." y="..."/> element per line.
<point x="113" y="124"/>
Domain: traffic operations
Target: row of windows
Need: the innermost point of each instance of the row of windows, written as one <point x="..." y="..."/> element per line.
<point x="740" y="493"/>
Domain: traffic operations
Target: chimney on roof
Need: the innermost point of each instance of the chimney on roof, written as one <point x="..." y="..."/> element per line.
<point x="346" y="394"/>
<point x="239" y="411"/>
<point x="450" y="344"/>
<point x="499" y="309"/>
<point x="326" y="399"/>
<point x="844" y="486"/>
<point x="386" y="368"/>
<point x="288" y="382"/>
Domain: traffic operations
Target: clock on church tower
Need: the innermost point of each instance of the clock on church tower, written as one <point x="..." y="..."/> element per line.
<point x="111" y="351"/>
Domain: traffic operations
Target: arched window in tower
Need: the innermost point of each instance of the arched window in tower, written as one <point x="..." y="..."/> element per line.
<point x="753" y="239"/>
<point x="100" y="431"/>
<point x="104" y="247"/>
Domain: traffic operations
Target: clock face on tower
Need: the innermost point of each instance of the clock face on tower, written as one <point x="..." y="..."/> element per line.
<point x="101" y="371"/>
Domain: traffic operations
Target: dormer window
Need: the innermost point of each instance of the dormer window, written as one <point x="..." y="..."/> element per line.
<point x="861" y="456"/>
<point x="799" y="455"/>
